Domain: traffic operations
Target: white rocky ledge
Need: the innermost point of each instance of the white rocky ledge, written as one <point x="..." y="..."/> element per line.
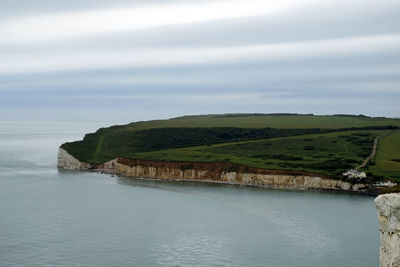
<point x="69" y="162"/>
<point x="388" y="207"/>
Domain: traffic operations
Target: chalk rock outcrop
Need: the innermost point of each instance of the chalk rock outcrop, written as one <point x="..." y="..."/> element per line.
<point x="214" y="172"/>
<point x="388" y="207"/>
<point x="67" y="161"/>
<point x="219" y="172"/>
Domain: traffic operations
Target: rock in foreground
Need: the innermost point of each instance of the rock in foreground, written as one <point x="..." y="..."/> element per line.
<point x="388" y="207"/>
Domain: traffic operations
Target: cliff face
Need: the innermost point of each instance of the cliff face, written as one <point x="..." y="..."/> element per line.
<point x="388" y="207"/>
<point x="216" y="172"/>
<point x="67" y="161"/>
<point x="225" y="173"/>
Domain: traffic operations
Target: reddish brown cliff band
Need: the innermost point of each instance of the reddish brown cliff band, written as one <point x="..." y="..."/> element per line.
<point x="214" y="168"/>
<point x="215" y="172"/>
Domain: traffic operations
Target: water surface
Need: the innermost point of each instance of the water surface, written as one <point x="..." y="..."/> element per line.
<point x="57" y="218"/>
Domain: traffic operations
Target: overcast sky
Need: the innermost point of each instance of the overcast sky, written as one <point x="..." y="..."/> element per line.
<point x="121" y="61"/>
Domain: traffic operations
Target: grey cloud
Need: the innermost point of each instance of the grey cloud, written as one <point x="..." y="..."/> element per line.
<point x="364" y="80"/>
<point x="20" y="8"/>
<point x="326" y="20"/>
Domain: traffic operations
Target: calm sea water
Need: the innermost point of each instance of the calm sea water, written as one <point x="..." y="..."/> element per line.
<point x="53" y="218"/>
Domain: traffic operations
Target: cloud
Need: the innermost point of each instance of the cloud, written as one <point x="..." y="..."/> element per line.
<point x="150" y="57"/>
<point x="228" y="55"/>
<point x="64" y="25"/>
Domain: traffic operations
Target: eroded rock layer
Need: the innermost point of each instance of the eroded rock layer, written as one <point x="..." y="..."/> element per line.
<point x="388" y="207"/>
<point x="67" y="161"/>
<point x="216" y="172"/>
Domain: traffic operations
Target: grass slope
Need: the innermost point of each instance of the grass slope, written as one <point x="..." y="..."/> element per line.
<point x="387" y="160"/>
<point x="329" y="154"/>
<point x="322" y="144"/>
<point x="289" y="121"/>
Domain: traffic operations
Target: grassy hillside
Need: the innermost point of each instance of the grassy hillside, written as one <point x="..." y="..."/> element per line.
<point x="322" y="144"/>
<point x="288" y="121"/>
<point x="387" y="160"/>
<point x="329" y="154"/>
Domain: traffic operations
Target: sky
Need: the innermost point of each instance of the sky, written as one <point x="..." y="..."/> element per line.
<point x="123" y="61"/>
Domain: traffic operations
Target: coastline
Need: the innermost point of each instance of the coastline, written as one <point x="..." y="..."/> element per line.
<point x="217" y="173"/>
<point x="223" y="183"/>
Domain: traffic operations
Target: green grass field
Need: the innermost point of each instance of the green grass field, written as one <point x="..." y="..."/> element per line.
<point x="329" y="154"/>
<point x="267" y="120"/>
<point x="387" y="160"/>
<point x="320" y="144"/>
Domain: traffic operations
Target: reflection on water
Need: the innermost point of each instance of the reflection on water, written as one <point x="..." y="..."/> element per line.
<point x="51" y="217"/>
<point x="305" y="233"/>
<point x="194" y="249"/>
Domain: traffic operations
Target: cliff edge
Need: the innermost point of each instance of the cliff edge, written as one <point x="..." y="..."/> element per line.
<point x="214" y="172"/>
<point x="388" y="207"/>
<point x="69" y="162"/>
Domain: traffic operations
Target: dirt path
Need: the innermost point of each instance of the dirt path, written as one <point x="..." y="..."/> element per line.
<point x="370" y="156"/>
<point x="372" y="152"/>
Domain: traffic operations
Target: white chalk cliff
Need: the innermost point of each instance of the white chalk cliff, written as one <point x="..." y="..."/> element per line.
<point x="67" y="161"/>
<point x="211" y="172"/>
<point x="388" y="207"/>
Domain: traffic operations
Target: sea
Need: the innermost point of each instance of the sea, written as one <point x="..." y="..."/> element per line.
<point x="51" y="217"/>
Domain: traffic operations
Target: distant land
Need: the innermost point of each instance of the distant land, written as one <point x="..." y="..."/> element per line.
<point x="326" y="145"/>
